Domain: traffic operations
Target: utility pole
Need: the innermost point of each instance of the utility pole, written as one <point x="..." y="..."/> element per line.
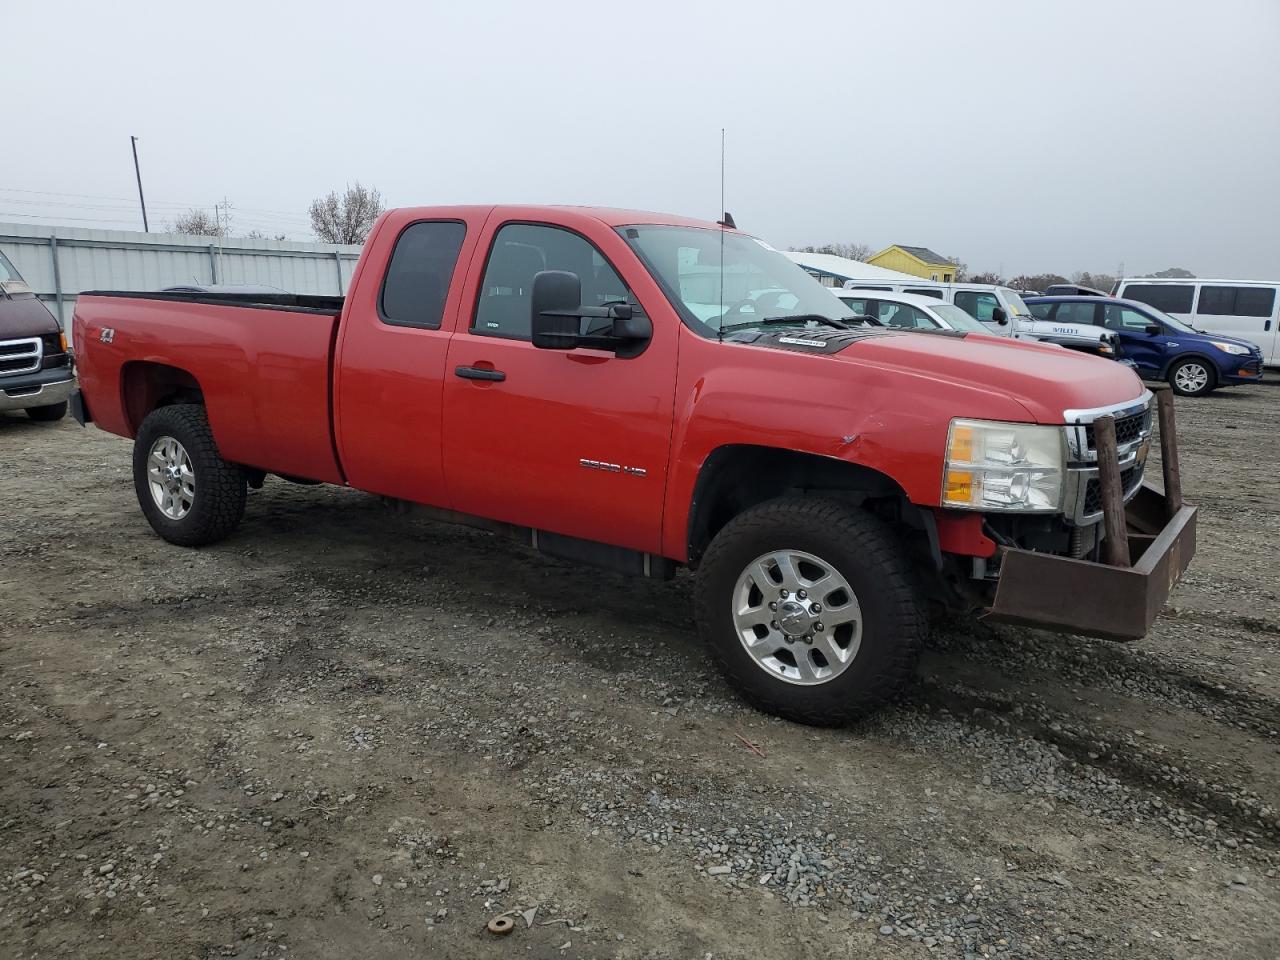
<point x="138" y="173"/>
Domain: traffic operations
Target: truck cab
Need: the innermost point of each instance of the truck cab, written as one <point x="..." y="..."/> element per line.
<point x="35" y="366"/>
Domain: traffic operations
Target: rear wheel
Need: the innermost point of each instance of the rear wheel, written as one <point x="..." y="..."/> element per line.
<point x="188" y="493"/>
<point x="1192" y="378"/>
<point x="810" y="609"/>
<point x="54" y="411"/>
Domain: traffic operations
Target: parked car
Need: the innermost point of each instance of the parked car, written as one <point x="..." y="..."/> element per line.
<point x="1243" y="309"/>
<point x="1001" y="312"/>
<point x="576" y="378"/>
<point x="909" y="311"/>
<point x="36" y="374"/>
<point x="915" y="312"/>
<point x="1163" y="347"/>
<point x="986" y="302"/>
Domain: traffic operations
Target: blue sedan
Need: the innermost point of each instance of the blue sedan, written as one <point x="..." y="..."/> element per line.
<point x="1162" y="347"/>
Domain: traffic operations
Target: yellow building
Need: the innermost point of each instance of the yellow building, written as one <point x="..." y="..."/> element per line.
<point x="917" y="261"/>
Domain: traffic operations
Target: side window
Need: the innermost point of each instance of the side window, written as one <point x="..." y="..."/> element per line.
<point x="1236" y="301"/>
<point x="857" y="305"/>
<point x="1169" y="297"/>
<point x="924" y="291"/>
<point x="977" y="304"/>
<point x="919" y="319"/>
<point x="1078" y="313"/>
<point x="521" y="250"/>
<point x="1255" y="301"/>
<point x="1217" y="301"/>
<point x="1041" y="311"/>
<point x="1117" y="317"/>
<point x="419" y="274"/>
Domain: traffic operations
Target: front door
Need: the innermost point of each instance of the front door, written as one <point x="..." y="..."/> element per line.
<point x="573" y="442"/>
<point x="1146" y="349"/>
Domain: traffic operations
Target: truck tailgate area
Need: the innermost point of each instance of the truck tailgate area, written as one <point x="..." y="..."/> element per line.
<point x="264" y="371"/>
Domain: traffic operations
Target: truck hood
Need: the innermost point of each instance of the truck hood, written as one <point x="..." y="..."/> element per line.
<point x="1044" y="379"/>
<point x="24" y="316"/>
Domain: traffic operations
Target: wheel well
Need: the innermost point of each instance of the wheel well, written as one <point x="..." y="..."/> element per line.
<point x="146" y="386"/>
<point x="736" y="478"/>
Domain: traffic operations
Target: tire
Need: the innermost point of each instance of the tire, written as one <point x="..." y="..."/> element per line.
<point x="1197" y="376"/>
<point x="54" y="411"/>
<point x="208" y="506"/>
<point x="871" y="560"/>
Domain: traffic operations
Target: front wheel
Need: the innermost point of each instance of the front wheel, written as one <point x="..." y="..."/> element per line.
<point x="810" y="609"/>
<point x="1192" y="378"/>
<point x="188" y="493"/>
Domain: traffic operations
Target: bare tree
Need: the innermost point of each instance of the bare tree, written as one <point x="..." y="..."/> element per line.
<point x="850" y="251"/>
<point x="1175" y="273"/>
<point x="347" y="218"/>
<point x="256" y="234"/>
<point x="1037" y="281"/>
<point x="988" y="277"/>
<point x="200" y="223"/>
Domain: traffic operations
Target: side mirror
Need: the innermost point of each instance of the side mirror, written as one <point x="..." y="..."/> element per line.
<point x="553" y="322"/>
<point x="556" y="312"/>
<point x="1000" y="316"/>
<point x="1154" y="329"/>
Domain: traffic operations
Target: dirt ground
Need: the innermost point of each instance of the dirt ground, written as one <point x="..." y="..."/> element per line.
<point x="343" y="733"/>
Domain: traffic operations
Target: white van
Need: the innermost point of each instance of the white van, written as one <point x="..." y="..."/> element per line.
<point x="1235" y="308"/>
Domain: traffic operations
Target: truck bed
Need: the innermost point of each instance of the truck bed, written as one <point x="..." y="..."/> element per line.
<point x="261" y="362"/>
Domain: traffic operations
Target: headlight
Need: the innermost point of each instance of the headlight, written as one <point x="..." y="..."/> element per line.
<point x="1004" y="466"/>
<point x="1232" y="348"/>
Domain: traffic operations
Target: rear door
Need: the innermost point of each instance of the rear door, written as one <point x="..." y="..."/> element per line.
<point x="389" y="368"/>
<point x="572" y="442"/>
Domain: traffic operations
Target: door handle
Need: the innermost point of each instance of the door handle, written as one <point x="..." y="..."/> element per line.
<point x="479" y="373"/>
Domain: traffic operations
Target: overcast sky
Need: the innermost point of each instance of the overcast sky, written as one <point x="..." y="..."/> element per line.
<point x="1024" y="136"/>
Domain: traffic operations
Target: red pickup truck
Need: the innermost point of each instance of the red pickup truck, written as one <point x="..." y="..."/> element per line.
<point x="645" y="392"/>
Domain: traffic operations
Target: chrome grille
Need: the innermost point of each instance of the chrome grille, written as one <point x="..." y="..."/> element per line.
<point x="20" y="356"/>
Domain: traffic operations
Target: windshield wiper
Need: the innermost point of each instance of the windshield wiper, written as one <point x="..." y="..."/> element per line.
<point x="789" y="318"/>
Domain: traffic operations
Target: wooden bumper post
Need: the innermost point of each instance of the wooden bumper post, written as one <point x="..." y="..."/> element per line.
<point x="1115" y="548"/>
<point x="1169" y="450"/>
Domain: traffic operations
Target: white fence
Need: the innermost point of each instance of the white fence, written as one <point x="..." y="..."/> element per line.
<point x="59" y="263"/>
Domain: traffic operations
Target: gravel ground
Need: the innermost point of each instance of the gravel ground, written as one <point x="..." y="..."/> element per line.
<point x="344" y="733"/>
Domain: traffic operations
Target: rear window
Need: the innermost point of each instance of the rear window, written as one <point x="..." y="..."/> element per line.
<point x="421" y="269"/>
<point x="1076" y="312"/>
<point x="1169" y="297"/>
<point x="1236" y="301"/>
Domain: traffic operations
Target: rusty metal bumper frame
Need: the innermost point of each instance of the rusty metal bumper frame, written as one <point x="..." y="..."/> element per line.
<point x="1148" y="545"/>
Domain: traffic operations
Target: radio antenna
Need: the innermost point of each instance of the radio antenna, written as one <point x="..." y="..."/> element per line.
<point x="725" y="215"/>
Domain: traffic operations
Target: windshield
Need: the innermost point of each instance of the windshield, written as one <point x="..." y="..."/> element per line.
<point x="750" y="284"/>
<point x="958" y="319"/>
<point x="7" y="271"/>
<point x="1016" y="303"/>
